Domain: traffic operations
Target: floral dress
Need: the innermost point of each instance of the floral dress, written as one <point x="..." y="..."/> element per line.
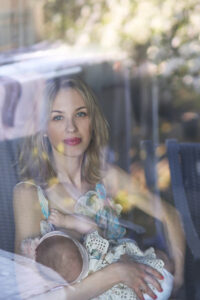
<point x="96" y="205"/>
<point x="102" y="253"/>
<point x="107" y="250"/>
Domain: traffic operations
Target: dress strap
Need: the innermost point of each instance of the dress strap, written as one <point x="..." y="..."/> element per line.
<point x="43" y="202"/>
<point x="41" y="197"/>
<point x="101" y="191"/>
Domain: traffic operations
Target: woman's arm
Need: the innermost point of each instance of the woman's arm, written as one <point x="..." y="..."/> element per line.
<point x="130" y="273"/>
<point x="176" y="241"/>
<point x="171" y="220"/>
<point x="118" y="180"/>
<point x="27" y="213"/>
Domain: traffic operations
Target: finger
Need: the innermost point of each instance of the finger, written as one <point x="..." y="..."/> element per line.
<point x="139" y="293"/>
<point x="153" y="272"/>
<point x="52" y="222"/>
<point x="147" y="290"/>
<point x="53" y="210"/>
<point x="154" y="282"/>
<point x="51" y="219"/>
<point x="54" y="214"/>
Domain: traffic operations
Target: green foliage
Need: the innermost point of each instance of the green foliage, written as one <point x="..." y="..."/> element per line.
<point x="166" y="33"/>
<point x="162" y="28"/>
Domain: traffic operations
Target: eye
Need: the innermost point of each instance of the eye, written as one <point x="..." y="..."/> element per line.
<point x="57" y="118"/>
<point x="81" y="114"/>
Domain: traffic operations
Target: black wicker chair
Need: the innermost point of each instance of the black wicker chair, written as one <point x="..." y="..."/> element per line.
<point x="149" y="163"/>
<point x="184" y="163"/>
<point x="150" y="160"/>
<point x="9" y="177"/>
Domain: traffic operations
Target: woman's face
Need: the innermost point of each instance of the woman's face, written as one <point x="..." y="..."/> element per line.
<point x="69" y="126"/>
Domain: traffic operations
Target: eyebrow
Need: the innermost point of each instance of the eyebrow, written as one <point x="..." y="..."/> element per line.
<point x="56" y="111"/>
<point x="82" y="107"/>
<point x="60" y="111"/>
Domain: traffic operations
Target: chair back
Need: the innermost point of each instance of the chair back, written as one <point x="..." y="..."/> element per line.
<point x="9" y="177"/>
<point x="184" y="164"/>
<point x="150" y="170"/>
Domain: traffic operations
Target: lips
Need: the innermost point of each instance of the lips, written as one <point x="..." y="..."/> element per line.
<point x="72" y="141"/>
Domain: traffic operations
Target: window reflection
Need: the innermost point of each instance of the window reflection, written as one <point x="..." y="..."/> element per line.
<point x="142" y="61"/>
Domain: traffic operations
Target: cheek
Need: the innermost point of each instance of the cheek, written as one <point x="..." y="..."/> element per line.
<point x="86" y="129"/>
<point x="53" y="133"/>
<point x="89" y="130"/>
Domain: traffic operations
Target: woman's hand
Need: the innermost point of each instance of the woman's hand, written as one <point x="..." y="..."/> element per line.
<point x="134" y="275"/>
<point x="137" y="276"/>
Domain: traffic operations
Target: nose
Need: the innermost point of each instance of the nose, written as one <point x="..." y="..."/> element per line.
<point x="70" y="125"/>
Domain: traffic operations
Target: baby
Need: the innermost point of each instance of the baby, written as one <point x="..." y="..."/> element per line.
<point x="63" y="254"/>
<point x="73" y="261"/>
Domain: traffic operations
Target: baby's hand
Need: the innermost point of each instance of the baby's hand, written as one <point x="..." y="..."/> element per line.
<point x="78" y="223"/>
<point x="57" y="218"/>
<point x="83" y="224"/>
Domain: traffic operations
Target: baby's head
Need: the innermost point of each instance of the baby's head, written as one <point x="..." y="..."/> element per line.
<point x="63" y="254"/>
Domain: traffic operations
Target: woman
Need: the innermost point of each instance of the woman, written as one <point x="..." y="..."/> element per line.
<point x="65" y="160"/>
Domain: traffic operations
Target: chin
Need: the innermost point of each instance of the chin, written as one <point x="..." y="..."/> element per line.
<point x="73" y="153"/>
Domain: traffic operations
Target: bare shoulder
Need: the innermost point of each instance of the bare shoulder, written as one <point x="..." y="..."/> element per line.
<point x="111" y="170"/>
<point x="109" y="173"/>
<point x="116" y="172"/>
<point x="118" y="181"/>
<point x="25" y="194"/>
<point x="27" y="213"/>
<point x="25" y="189"/>
<point x="115" y="179"/>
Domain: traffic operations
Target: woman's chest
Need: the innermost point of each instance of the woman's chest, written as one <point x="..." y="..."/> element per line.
<point x="64" y="205"/>
<point x="64" y="198"/>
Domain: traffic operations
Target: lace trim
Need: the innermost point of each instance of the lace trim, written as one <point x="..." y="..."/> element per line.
<point x="102" y="254"/>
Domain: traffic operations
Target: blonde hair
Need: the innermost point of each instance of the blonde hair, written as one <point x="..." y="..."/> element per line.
<point x="36" y="157"/>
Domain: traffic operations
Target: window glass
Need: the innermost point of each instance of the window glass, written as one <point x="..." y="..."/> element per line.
<point x="141" y="60"/>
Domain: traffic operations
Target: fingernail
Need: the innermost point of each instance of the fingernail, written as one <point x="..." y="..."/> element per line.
<point x="162" y="277"/>
<point x="155" y="297"/>
<point x="161" y="290"/>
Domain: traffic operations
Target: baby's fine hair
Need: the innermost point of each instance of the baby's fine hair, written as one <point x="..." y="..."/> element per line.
<point x="62" y="255"/>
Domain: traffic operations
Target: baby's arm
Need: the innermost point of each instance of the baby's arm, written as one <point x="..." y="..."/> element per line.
<point x="75" y="222"/>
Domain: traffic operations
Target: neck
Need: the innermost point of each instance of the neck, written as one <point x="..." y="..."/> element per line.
<point x="68" y="169"/>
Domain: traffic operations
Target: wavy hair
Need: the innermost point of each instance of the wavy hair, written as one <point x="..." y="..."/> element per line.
<point x="36" y="159"/>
